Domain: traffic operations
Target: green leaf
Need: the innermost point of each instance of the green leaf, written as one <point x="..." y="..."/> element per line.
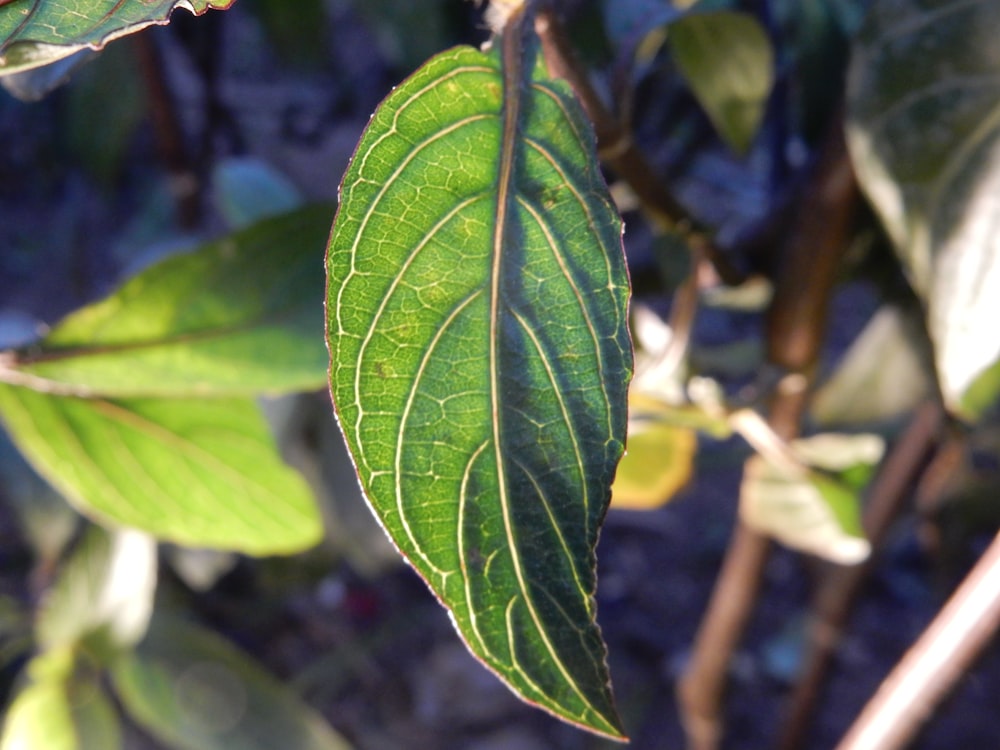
<point x="103" y="595"/>
<point x="924" y="134"/>
<point x="658" y="463"/>
<point x="809" y="501"/>
<point x="202" y="472"/>
<point x="728" y="61"/>
<point x="194" y="691"/>
<point x="480" y="359"/>
<point x="238" y="316"/>
<point x="60" y="709"/>
<point x="883" y="375"/>
<point x="37" y="32"/>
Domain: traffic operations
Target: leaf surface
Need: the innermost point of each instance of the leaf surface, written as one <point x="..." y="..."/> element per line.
<point x="811" y="503"/>
<point x="480" y="359"/>
<point x="103" y="594"/>
<point x="924" y="134"/>
<point x="201" y="472"/>
<point x="194" y="691"/>
<point x="728" y="61"/>
<point x="37" y="32"/>
<point x="240" y="315"/>
<point x="60" y="708"/>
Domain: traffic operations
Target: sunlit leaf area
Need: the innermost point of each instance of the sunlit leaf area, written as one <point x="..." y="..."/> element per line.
<point x="512" y="374"/>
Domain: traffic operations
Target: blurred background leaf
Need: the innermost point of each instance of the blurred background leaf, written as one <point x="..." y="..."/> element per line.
<point x="199" y="472"/>
<point x="192" y="690"/>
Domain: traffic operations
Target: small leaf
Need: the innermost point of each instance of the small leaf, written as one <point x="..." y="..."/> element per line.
<point x="37" y="32"/>
<point x="657" y="464"/>
<point x="480" y="358"/>
<point x="194" y="691"/>
<point x="883" y="375"/>
<point x="728" y="61"/>
<point x="238" y="316"/>
<point x="60" y="710"/>
<point x="805" y="507"/>
<point x="924" y="134"/>
<point x="103" y="595"/>
<point x="197" y="472"/>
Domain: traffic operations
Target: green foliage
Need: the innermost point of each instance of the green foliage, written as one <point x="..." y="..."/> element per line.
<point x="38" y="32"/>
<point x="194" y="691"/>
<point x="202" y="472"/>
<point x="924" y="132"/>
<point x="471" y="211"/>
<point x="727" y="59"/>
<point x="479" y="352"/>
<point x="235" y="317"/>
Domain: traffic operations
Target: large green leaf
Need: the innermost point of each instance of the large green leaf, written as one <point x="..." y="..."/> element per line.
<point x="201" y="472"/>
<point x="924" y="132"/>
<point x="238" y="316"/>
<point x="480" y="358"/>
<point x="37" y="32"/>
<point x="194" y="691"/>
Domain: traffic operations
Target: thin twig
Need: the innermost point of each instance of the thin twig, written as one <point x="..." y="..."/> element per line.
<point x="184" y="182"/>
<point x="840" y="585"/>
<point x="930" y="669"/>
<point x="796" y="325"/>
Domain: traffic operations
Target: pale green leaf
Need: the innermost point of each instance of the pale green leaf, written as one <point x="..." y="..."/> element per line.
<point x="924" y="134"/>
<point x="194" y="691"/>
<point x="727" y="59"/>
<point x="60" y="710"/>
<point x="480" y="359"/>
<point x="240" y="315"/>
<point x="197" y="472"/>
<point x="103" y="595"/>
<point x="658" y="463"/>
<point x="38" y="32"/>
<point x="810" y="501"/>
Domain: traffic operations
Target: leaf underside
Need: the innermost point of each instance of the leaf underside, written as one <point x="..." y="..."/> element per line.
<point x="924" y="132"/>
<point x="480" y="359"/>
<point x="199" y="472"/>
<point x="238" y="316"/>
<point x="37" y="32"/>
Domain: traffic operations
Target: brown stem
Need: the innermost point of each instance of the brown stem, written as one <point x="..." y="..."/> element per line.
<point x="840" y="585"/>
<point x="796" y="324"/>
<point x="184" y="182"/>
<point x="618" y="151"/>
<point x="930" y="669"/>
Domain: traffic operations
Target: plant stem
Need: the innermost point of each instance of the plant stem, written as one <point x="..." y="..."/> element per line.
<point x="795" y="328"/>
<point x="840" y="585"/>
<point x="184" y="182"/>
<point x="934" y="664"/>
<point x="619" y="152"/>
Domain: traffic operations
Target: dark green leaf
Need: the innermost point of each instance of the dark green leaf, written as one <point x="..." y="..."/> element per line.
<point x="728" y="61"/>
<point x="37" y="32"/>
<point x="924" y="132"/>
<point x="197" y="472"/>
<point x="193" y="691"/>
<point x="238" y="316"/>
<point x="480" y="359"/>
